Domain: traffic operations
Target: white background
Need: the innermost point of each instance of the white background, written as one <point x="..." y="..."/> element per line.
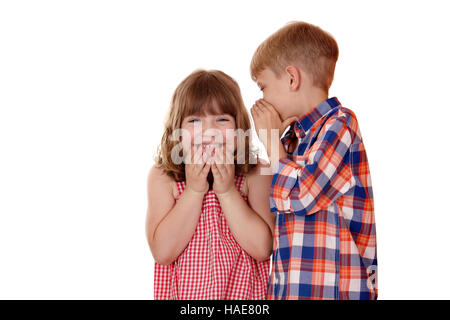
<point x="84" y="88"/>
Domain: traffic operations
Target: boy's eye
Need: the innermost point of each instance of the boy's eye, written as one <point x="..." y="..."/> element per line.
<point x="193" y="120"/>
<point x="224" y="119"/>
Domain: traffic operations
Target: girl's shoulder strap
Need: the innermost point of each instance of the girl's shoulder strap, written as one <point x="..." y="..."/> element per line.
<point x="239" y="181"/>
<point x="180" y="188"/>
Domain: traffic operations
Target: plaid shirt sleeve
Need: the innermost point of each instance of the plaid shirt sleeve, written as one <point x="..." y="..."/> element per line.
<point x="306" y="184"/>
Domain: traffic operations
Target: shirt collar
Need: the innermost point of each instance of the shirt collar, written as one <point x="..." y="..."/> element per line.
<point x="307" y="121"/>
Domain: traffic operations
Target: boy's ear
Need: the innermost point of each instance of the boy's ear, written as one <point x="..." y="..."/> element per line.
<point x="294" y="77"/>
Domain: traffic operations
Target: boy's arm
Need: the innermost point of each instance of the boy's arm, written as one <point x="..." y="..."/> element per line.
<point x="307" y="184"/>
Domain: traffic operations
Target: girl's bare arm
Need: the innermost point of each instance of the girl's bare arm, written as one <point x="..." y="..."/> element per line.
<point x="169" y="225"/>
<point x="251" y="223"/>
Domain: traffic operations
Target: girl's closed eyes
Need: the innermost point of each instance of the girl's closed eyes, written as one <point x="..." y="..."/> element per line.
<point x="219" y="119"/>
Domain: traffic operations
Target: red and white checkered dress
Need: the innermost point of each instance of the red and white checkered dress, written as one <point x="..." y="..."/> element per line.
<point x="213" y="265"/>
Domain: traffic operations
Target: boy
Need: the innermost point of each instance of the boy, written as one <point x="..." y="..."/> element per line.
<point x="324" y="242"/>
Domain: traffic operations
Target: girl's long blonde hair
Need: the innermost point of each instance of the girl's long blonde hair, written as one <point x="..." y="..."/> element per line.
<point x="194" y="96"/>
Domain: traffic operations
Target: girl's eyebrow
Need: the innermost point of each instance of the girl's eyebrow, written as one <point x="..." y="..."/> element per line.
<point x="192" y="116"/>
<point x="204" y="116"/>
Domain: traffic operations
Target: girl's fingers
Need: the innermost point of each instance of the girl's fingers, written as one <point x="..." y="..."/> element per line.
<point x="187" y="154"/>
<point x="230" y="169"/>
<point x="218" y="155"/>
<point x="205" y="170"/>
<point x="196" y="163"/>
<point x="193" y="154"/>
<point x="216" y="173"/>
<point x="222" y="170"/>
<point x="226" y="155"/>
<point x="198" y="156"/>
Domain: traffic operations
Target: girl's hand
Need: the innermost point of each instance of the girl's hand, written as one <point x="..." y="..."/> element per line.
<point x="223" y="173"/>
<point x="196" y="171"/>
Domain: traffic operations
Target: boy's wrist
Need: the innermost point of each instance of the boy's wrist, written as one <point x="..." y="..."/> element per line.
<point x="274" y="159"/>
<point x="281" y="153"/>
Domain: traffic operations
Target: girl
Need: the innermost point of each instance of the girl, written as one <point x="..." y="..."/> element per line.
<point x="209" y="225"/>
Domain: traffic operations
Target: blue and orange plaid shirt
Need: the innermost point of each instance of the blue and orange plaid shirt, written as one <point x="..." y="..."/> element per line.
<point x="325" y="242"/>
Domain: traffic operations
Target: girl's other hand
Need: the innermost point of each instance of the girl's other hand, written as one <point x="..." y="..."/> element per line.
<point x="223" y="172"/>
<point x="196" y="171"/>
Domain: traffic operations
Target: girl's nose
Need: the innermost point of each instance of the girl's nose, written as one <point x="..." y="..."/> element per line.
<point x="211" y="135"/>
<point x="208" y="125"/>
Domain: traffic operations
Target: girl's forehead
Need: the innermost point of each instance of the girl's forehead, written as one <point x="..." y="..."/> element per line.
<point x="209" y="108"/>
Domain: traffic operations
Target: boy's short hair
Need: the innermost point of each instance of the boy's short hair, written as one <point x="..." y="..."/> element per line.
<point x="300" y="44"/>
